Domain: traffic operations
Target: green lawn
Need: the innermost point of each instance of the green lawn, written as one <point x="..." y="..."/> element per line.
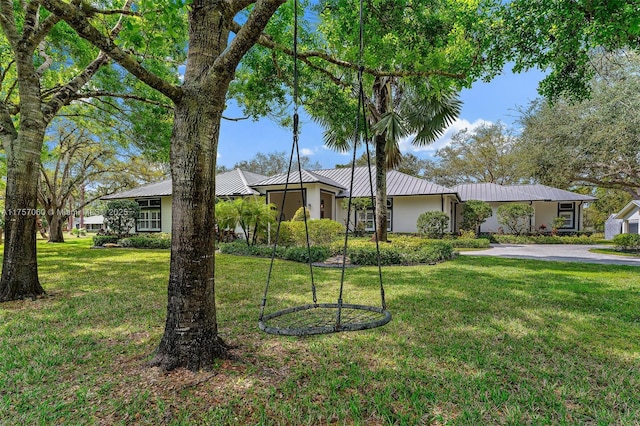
<point x="473" y="341"/>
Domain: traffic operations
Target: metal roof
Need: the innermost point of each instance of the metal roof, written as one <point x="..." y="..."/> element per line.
<point x="294" y="178"/>
<point x="236" y="182"/>
<point x="233" y="183"/>
<point x="159" y="189"/>
<point x="491" y="192"/>
<point x="398" y="184"/>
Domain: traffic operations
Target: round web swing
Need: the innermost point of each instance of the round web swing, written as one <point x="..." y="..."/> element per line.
<point x="324" y="318"/>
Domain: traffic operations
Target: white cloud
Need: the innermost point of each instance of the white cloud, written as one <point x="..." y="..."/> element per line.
<point x="308" y="152"/>
<point x="444" y="140"/>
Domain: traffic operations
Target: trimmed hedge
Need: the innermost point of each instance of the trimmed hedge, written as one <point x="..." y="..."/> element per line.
<point x="545" y="239"/>
<point x="146" y="242"/>
<point x="296" y="254"/>
<point x="391" y="255"/>
<point x="100" y="240"/>
<point x="627" y="242"/>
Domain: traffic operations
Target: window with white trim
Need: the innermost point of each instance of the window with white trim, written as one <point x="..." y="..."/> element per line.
<point x="149" y="219"/>
<point x="567" y="212"/>
<point x="368" y="219"/>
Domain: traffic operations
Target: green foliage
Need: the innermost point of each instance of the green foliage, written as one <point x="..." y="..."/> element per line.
<point x="146" y="242"/>
<point x="296" y="254"/>
<point x="609" y="201"/>
<point x="301" y="254"/>
<point x="562" y="37"/>
<point x="100" y="240"/>
<point x="252" y="214"/>
<point x="474" y="214"/>
<point x="121" y="216"/>
<point x="470" y="242"/>
<point x="486" y="154"/>
<point x="300" y="214"/>
<point x="322" y="232"/>
<point x="516" y="217"/>
<point x="593" y="142"/>
<point x="557" y="222"/>
<point x="584" y="238"/>
<point x="627" y="242"/>
<point x="390" y="254"/>
<point x="433" y="224"/>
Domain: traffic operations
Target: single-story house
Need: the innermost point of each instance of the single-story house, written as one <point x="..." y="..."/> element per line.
<point x="547" y="202"/>
<point x="91" y="223"/>
<point x="155" y="199"/>
<point x="325" y="190"/>
<point x="629" y="217"/>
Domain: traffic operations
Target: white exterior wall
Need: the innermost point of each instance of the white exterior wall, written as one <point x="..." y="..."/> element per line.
<point x="407" y="209"/>
<point x="165" y="214"/>
<point x="545" y="213"/>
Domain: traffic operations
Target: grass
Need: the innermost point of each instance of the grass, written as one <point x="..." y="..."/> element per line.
<point x="614" y="252"/>
<point x="472" y="341"/>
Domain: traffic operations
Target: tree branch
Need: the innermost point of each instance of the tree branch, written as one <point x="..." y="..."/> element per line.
<point x="79" y="21"/>
<point x="265" y="41"/>
<point x="8" y="23"/>
<point x="99" y="93"/>
<point x="247" y="35"/>
<point x="48" y="60"/>
<point x="237" y="5"/>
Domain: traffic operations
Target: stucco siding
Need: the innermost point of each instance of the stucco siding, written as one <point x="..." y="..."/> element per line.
<point x="165" y="214"/>
<point x="407" y="209"/>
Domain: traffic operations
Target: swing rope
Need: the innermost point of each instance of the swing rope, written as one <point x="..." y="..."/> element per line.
<point x="320" y="318"/>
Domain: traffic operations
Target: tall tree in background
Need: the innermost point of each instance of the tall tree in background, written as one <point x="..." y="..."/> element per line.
<point x="562" y="36"/>
<point x="594" y="142"/>
<point x="31" y="96"/>
<point x="486" y="154"/>
<point x="274" y="163"/>
<point x="44" y="68"/>
<point x="74" y="163"/>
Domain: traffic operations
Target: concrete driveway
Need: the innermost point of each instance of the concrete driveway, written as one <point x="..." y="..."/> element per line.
<point x="554" y="252"/>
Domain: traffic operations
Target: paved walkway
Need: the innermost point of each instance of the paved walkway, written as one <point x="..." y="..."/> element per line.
<point x="556" y="252"/>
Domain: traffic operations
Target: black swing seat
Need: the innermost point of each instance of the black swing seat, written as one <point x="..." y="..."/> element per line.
<point x="323" y="318"/>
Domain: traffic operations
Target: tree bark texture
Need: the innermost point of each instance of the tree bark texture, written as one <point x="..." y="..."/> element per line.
<point x="20" y="268"/>
<point x="191" y="333"/>
<point x="380" y="103"/>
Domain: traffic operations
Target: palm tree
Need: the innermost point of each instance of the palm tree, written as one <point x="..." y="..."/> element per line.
<point x="397" y="109"/>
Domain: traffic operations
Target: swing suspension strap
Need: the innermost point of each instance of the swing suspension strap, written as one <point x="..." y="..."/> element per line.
<point x="294" y="149"/>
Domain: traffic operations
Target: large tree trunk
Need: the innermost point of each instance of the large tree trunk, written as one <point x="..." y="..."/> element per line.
<point x="380" y="103"/>
<point x="56" y="226"/>
<point x="191" y="333"/>
<point x="19" y="267"/>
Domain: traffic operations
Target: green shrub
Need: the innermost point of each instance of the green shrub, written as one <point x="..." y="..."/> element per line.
<point x="367" y="255"/>
<point x="516" y="217"/>
<point x="474" y="214"/>
<point x="469" y="242"/>
<point x="146" y="242"/>
<point x="299" y="215"/>
<point x="544" y="239"/>
<point x="433" y="224"/>
<point x="121" y="216"/>
<point x="627" y="242"/>
<point x="390" y="254"/>
<point x="301" y="254"/>
<point x="285" y="237"/>
<point x="322" y="232"/>
<point x="100" y="240"/>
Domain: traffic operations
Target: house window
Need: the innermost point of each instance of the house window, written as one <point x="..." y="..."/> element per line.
<point x="368" y="218"/>
<point x="149" y="219"/>
<point x="567" y="212"/>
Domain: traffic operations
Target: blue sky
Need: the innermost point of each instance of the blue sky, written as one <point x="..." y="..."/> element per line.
<point x="484" y="102"/>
